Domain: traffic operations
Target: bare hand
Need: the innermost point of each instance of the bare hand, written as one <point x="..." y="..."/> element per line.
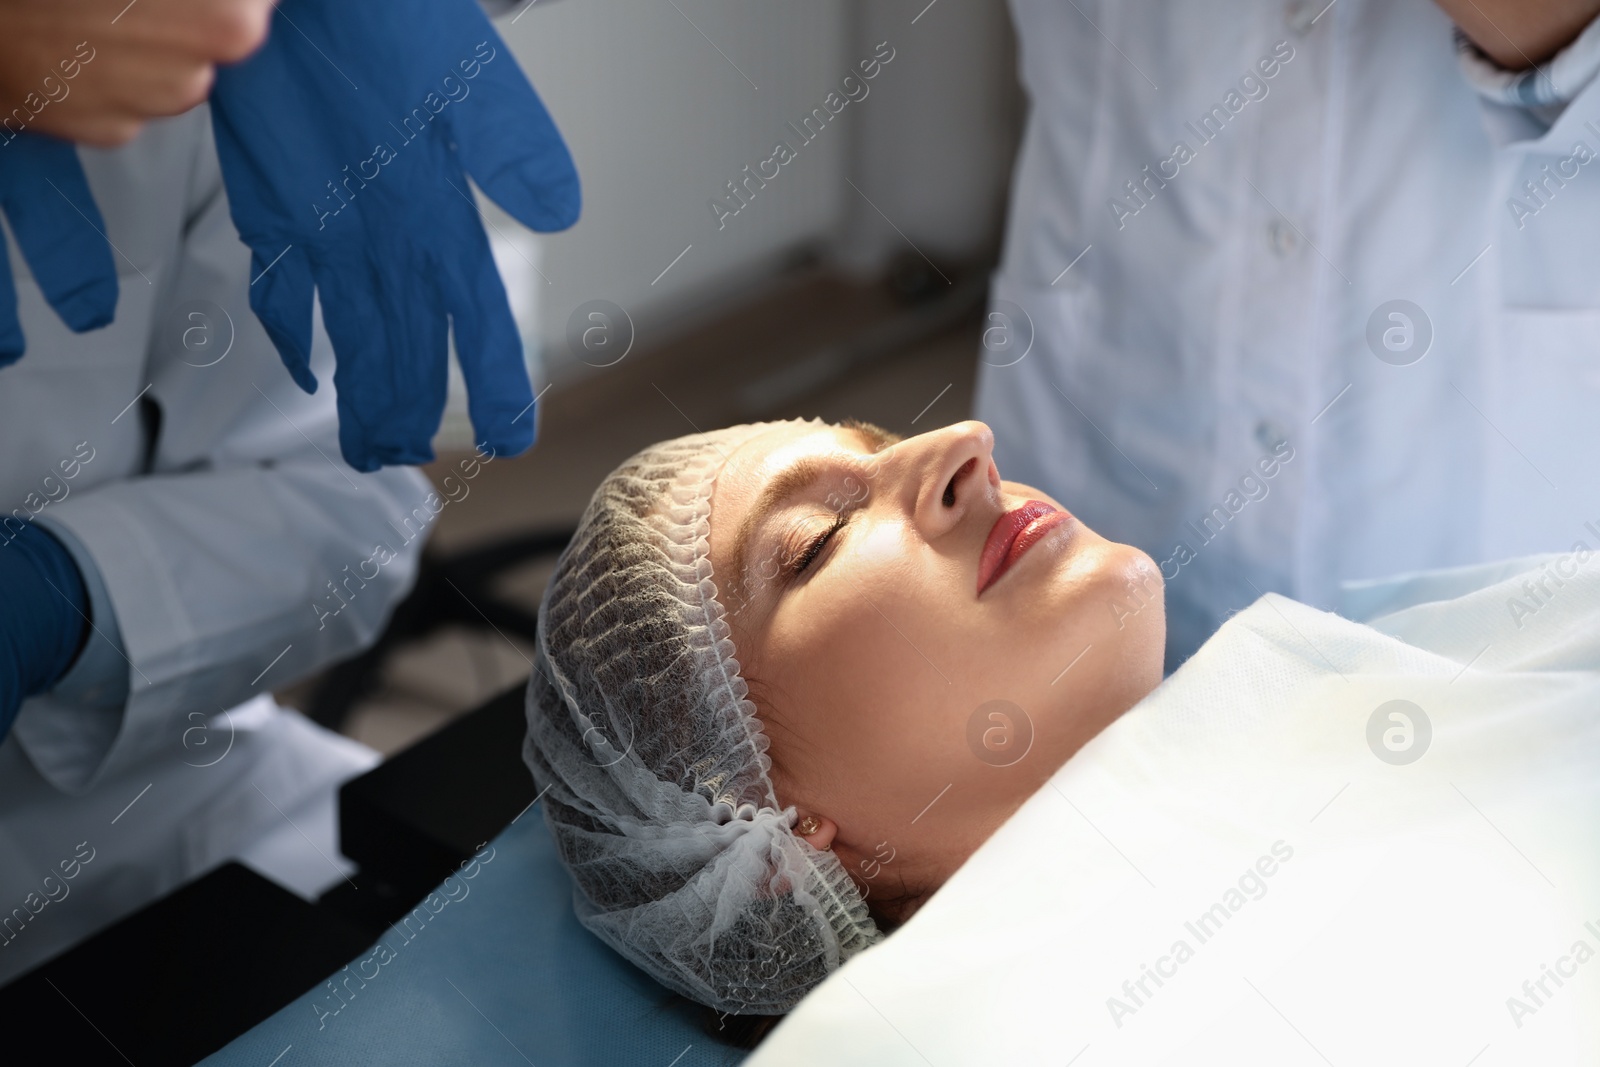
<point x="1518" y="34"/>
<point x="96" y="70"/>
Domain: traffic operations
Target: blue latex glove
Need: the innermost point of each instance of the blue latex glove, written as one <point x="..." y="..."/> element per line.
<point x="44" y="610"/>
<point x="62" y="236"/>
<point x="345" y="144"/>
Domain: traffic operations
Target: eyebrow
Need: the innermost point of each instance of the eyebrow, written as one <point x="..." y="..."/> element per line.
<point x="796" y="478"/>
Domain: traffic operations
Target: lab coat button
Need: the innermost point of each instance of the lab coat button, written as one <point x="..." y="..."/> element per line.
<point x="1282" y="238"/>
<point x="1269" y="435"/>
<point x="1300" y="15"/>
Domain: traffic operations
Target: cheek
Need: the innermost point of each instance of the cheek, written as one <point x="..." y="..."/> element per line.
<point x="843" y="677"/>
<point x="883" y="546"/>
<point x="870" y="721"/>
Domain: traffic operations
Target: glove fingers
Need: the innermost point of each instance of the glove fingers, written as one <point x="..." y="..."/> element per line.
<point x="12" y="343"/>
<point x="488" y="347"/>
<point x="59" y="229"/>
<point x="509" y="144"/>
<point x="281" y="293"/>
<point x="384" y="315"/>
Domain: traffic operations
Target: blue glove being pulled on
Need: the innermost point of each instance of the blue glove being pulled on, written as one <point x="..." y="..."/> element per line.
<point x="345" y="144"/>
<point x="59" y="230"/>
<point x="44" y="608"/>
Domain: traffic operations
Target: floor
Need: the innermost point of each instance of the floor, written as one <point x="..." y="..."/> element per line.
<point x="715" y="374"/>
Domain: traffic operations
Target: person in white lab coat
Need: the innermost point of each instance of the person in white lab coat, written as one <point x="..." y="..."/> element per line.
<point x="224" y="550"/>
<point x="1297" y="294"/>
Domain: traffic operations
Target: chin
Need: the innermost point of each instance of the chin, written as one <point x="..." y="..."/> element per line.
<point x="1118" y="607"/>
<point x="1138" y="618"/>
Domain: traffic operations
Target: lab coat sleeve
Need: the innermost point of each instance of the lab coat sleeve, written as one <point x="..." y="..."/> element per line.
<point x="98" y="677"/>
<point x="221" y="562"/>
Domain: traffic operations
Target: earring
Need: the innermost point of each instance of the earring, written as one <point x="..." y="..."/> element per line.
<point x="808" y="826"/>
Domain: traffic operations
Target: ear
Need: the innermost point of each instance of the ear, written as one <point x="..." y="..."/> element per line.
<point x="822" y="837"/>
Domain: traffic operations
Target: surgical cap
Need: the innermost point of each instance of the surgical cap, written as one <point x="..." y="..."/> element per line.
<point x="651" y="761"/>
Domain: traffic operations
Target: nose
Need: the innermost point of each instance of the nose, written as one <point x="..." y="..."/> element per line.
<point x="949" y="472"/>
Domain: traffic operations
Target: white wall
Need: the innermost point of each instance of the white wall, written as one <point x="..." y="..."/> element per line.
<point x="658" y="121"/>
<point x="933" y="148"/>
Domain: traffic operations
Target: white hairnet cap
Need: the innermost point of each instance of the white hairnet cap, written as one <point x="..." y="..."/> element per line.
<point x="653" y="764"/>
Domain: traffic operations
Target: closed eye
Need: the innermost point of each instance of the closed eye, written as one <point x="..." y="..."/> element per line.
<point x="799" y="563"/>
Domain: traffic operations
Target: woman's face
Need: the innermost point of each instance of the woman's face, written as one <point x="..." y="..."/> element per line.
<point x="924" y="644"/>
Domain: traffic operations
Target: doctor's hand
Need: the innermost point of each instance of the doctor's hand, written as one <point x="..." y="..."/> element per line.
<point x="1518" y="34"/>
<point x="346" y="144"/>
<point x="95" y="70"/>
<point x="43" y="615"/>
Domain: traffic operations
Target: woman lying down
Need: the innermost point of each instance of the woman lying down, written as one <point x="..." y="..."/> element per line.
<point x="798" y="682"/>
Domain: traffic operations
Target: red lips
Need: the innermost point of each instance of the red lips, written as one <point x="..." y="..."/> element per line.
<point x="1013" y="534"/>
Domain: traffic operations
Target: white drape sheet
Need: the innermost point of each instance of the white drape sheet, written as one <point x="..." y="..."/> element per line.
<point x="1244" y="870"/>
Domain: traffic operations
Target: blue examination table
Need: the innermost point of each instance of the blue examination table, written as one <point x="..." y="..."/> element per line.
<point x="500" y="973"/>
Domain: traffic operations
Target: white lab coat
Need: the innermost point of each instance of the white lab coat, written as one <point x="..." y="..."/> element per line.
<point x="1225" y="309"/>
<point x="208" y="500"/>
